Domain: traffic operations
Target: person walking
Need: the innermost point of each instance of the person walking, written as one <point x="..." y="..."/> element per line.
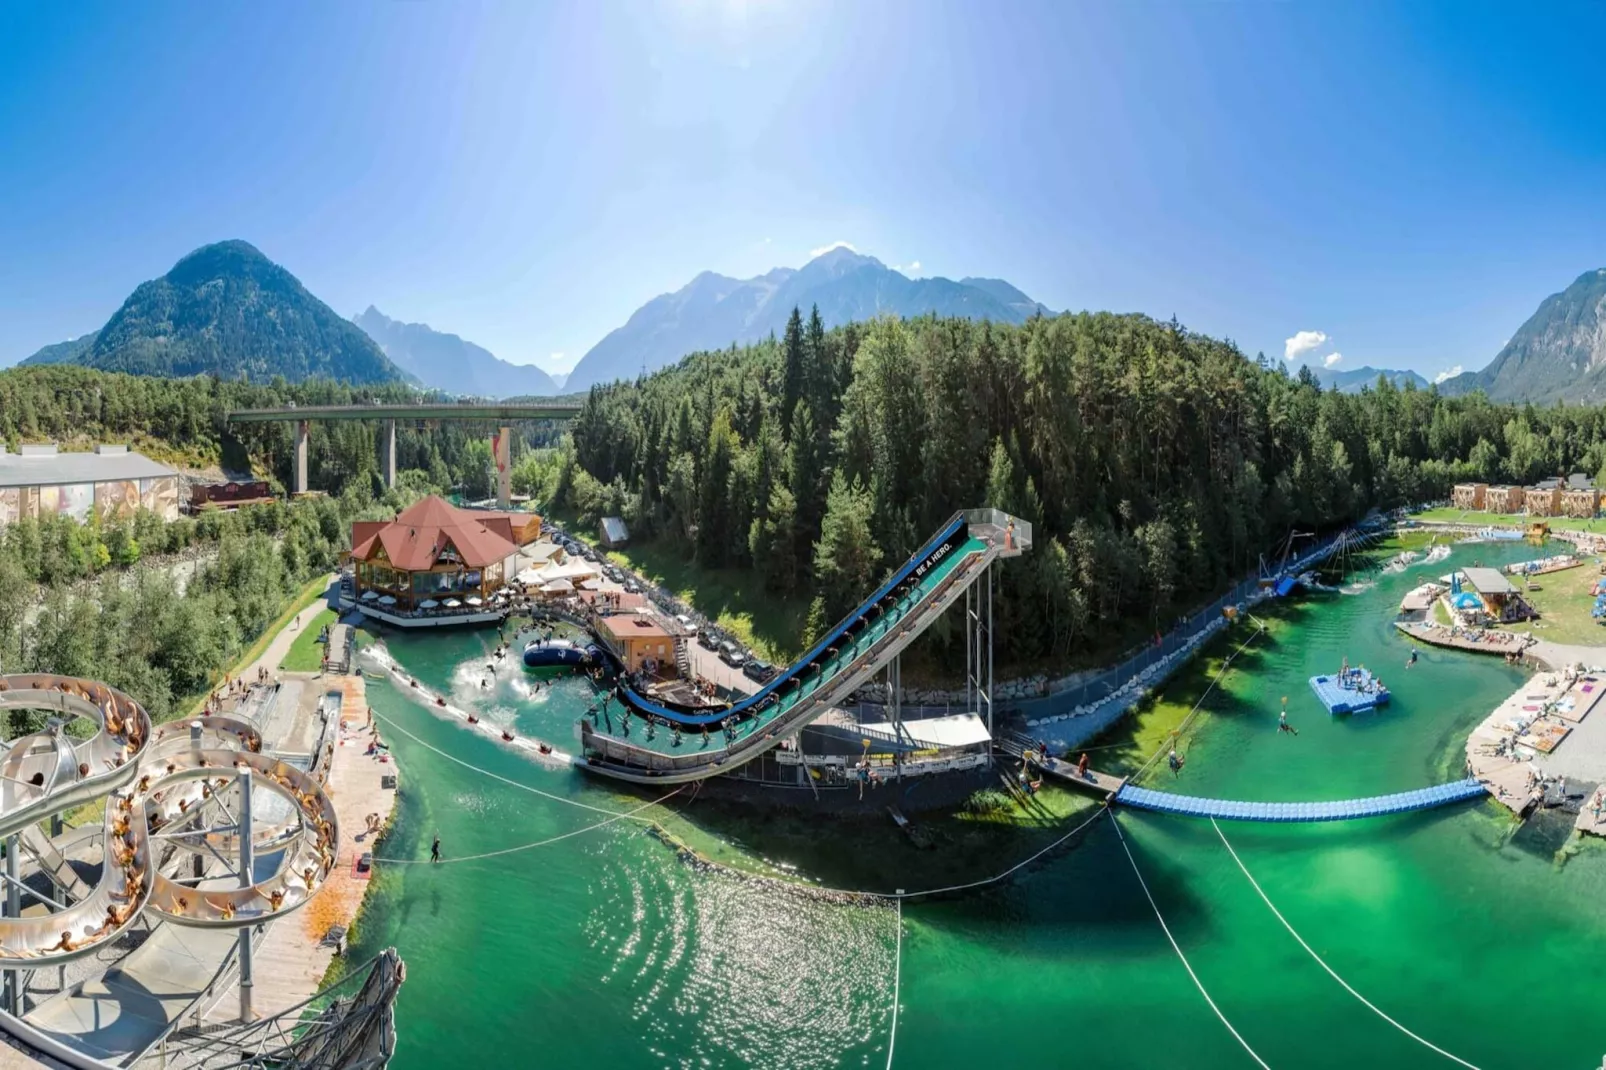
<point x="435" y="849"/>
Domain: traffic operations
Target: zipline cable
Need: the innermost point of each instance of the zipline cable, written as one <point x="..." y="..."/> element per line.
<point x="1260" y="629"/>
<point x="528" y="846"/>
<point x="807" y="887"/>
<point x="1323" y="962"/>
<point x="1178" y="949"/>
<point x="498" y="776"/>
<point x="897" y="971"/>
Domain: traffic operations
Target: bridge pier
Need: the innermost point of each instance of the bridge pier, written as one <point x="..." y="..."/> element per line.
<point x="299" y="480"/>
<point x="387" y="452"/>
<point x="501" y="459"/>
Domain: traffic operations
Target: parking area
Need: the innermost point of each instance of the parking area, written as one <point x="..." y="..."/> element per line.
<point x="705" y="663"/>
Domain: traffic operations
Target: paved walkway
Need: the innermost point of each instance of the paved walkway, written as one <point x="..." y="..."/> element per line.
<point x="274" y="655"/>
<point x="290" y="963"/>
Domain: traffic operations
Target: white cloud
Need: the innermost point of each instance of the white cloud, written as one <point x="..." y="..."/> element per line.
<point x="1448" y="373"/>
<point x="822" y="250"/>
<point x="1303" y="342"/>
<point x="1331" y="359"/>
<point x="911" y="268"/>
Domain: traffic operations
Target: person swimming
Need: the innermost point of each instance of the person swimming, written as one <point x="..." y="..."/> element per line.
<point x="1410" y="660"/>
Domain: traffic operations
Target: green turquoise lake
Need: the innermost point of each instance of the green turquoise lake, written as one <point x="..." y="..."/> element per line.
<point x="606" y="949"/>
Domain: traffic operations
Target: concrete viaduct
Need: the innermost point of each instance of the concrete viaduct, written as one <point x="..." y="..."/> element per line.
<point x="501" y="413"/>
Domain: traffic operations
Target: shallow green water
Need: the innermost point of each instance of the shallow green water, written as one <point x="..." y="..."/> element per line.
<point x="606" y="950"/>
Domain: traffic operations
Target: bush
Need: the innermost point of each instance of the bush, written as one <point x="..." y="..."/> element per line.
<point x="989" y="803"/>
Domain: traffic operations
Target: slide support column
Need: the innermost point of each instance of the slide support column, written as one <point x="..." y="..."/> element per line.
<point x="247" y="863"/>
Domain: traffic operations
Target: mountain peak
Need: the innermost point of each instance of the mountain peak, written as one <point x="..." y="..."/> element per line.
<point x="450" y="363"/>
<point x="840" y="258"/>
<point x="227" y="310"/>
<point x="713" y="311"/>
<point x="1559" y="354"/>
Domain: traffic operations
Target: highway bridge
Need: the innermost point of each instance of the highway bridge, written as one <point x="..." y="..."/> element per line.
<point x="500" y="412"/>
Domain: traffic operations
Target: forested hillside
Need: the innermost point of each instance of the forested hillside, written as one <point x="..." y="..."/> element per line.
<point x="1156" y="464"/>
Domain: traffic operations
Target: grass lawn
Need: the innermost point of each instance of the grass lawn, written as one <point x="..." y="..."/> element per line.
<point x="1448" y="515"/>
<point x="1564" y="601"/>
<point x="306" y="653"/>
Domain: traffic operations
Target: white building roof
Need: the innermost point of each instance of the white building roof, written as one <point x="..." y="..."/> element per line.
<point x="38" y="466"/>
<point x="955" y="730"/>
<point x="1488" y="581"/>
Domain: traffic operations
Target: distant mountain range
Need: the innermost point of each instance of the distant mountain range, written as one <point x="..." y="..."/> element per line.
<point x="229" y="311"/>
<point x="447" y="362"/>
<point x="1558" y="355"/>
<point x="713" y="311"/>
<point x="1354" y="380"/>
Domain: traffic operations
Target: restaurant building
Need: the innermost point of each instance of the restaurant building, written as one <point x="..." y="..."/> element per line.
<point x="435" y="563"/>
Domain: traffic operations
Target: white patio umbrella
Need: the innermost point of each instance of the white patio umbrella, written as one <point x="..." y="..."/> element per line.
<point x="428" y="603"/>
<point x="369" y="596"/>
<point x="451" y="603"/>
<point x="474" y="600"/>
<point x="387" y="601"/>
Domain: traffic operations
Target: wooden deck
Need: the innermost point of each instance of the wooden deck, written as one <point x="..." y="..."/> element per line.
<point x="1093" y="780"/>
<point x="289" y="963"/>
<point x="1587" y="821"/>
<point x="1497" y="642"/>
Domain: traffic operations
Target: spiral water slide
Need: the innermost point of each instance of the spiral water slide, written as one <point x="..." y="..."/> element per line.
<point x="174" y="795"/>
<point x="891" y="618"/>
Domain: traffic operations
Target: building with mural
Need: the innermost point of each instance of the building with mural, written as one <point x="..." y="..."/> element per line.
<point x="112" y="481"/>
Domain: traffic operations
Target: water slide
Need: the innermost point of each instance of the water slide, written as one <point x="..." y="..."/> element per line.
<point x="867" y="639"/>
<point x="168" y="795"/>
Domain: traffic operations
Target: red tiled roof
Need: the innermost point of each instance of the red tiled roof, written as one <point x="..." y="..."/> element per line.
<point x="420" y="532"/>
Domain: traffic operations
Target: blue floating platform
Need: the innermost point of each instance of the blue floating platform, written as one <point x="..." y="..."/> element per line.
<point x="1339" y="810"/>
<point x="1353" y="692"/>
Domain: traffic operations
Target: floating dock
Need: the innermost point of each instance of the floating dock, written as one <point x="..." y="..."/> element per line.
<point x="1353" y="691"/>
<point x="1340" y="810"/>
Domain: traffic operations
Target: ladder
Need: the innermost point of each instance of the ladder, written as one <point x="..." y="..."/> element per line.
<point x="682" y="658"/>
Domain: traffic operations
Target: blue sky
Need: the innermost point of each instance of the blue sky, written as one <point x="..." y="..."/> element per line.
<point x="1408" y="181"/>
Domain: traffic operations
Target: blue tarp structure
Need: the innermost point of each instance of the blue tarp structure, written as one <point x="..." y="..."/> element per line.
<point x="1286" y="584"/>
<point x="1465" y="600"/>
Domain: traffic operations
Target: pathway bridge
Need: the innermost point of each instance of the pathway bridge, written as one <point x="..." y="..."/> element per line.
<point x="1123" y="793"/>
<point x="1403" y="802"/>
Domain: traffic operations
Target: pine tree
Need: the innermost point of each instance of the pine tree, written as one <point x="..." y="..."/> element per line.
<point x="795" y="376"/>
<point x="847" y="558"/>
